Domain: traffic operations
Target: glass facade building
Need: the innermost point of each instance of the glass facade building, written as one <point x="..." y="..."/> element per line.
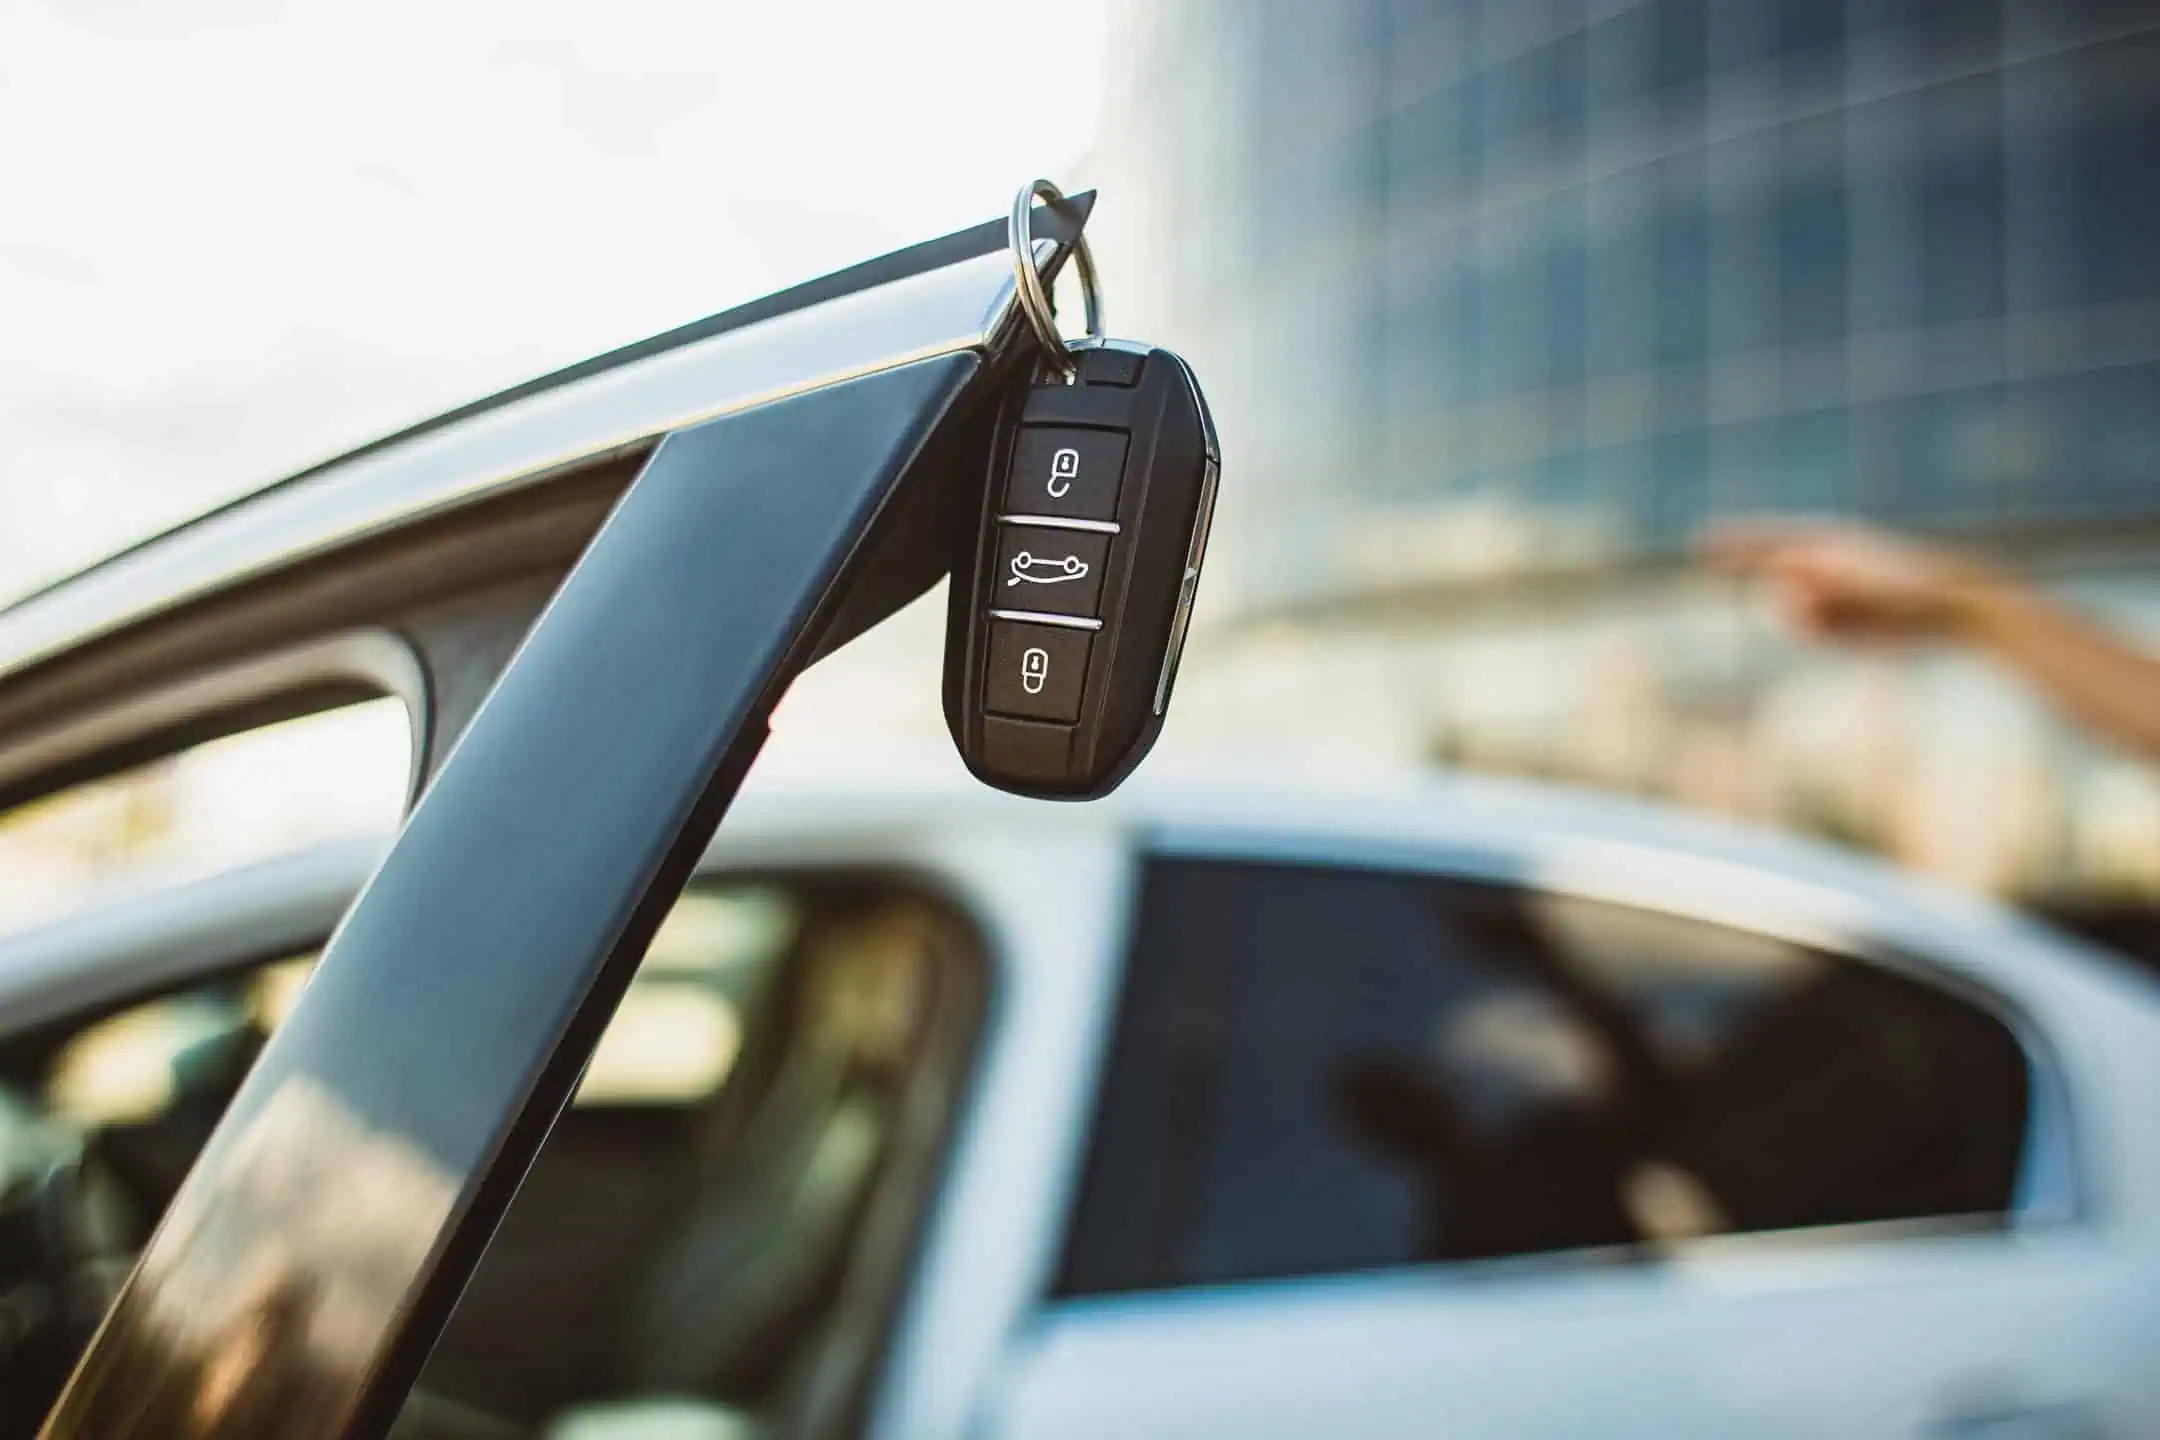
<point x="1501" y="301"/>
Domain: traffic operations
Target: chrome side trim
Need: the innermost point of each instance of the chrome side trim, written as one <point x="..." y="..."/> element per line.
<point x="374" y="659"/>
<point x="1196" y="548"/>
<point x="1188" y="586"/>
<point x="965" y="305"/>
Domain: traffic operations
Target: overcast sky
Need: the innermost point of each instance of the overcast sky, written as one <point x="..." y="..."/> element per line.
<point x="238" y="237"/>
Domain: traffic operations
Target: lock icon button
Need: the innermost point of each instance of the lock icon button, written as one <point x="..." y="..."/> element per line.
<point x="1035" y="672"/>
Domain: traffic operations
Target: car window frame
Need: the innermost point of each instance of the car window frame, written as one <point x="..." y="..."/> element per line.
<point x="2051" y="1187"/>
<point x="350" y="666"/>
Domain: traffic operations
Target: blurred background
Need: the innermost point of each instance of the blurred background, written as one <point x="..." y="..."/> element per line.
<point x="1501" y="303"/>
<point x="1498" y="304"/>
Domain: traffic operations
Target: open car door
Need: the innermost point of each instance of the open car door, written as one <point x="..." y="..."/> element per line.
<point x="798" y="464"/>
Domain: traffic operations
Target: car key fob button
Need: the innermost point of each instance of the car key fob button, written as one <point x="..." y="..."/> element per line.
<point x="1035" y="672"/>
<point x="1067" y="472"/>
<point x="1056" y="571"/>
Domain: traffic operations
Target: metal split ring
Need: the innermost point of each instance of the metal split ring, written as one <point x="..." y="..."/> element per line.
<point x="1034" y="296"/>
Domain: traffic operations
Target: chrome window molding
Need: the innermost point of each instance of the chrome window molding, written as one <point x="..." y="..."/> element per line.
<point x="1719" y="1259"/>
<point x="2051" y="1186"/>
<point x="530" y="434"/>
<point x="370" y="659"/>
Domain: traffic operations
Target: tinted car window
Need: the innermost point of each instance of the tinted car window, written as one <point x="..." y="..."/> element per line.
<point x="1327" y="1070"/>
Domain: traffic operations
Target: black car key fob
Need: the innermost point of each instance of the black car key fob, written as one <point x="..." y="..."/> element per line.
<point x="1072" y="594"/>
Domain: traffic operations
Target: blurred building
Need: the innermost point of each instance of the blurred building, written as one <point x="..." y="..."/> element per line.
<point x="1501" y="300"/>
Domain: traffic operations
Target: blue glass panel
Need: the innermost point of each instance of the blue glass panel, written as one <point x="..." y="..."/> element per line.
<point x="1813" y="240"/>
<point x="1619" y="56"/>
<point x="1565" y="285"/>
<point x="1682" y="496"/>
<point x="1682" y="55"/>
<point x="2100" y="240"/>
<point x="1815" y="451"/>
<point x="1809" y="39"/>
<point x="1683" y="262"/>
<point x="1963" y="230"/>
<point x="2099" y="434"/>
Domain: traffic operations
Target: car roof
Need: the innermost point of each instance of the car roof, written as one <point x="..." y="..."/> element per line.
<point x="1546" y="835"/>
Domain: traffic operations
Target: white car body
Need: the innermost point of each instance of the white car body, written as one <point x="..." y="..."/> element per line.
<point x="2045" y="1329"/>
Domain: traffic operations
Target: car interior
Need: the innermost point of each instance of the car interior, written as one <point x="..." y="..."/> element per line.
<point x="1621" y="1079"/>
<point x="693" y="1249"/>
<point x="1801" y="1090"/>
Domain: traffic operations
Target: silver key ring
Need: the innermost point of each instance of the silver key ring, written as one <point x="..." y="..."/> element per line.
<point x="1034" y="295"/>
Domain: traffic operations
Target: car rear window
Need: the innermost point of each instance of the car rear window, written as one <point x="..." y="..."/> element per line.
<point x="1320" y="1071"/>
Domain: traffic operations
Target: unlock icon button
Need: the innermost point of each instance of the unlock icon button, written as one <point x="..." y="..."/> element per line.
<point x="1064" y="469"/>
<point x="1066" y="472"/>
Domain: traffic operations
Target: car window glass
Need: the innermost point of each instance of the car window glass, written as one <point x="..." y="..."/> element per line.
<point x="141" y="1086"/>
<point x="675" y="1037"/>
<point x="773" y="1090"/>
<point x="129" y="1068"/>
<point x="673" y="1040"/>
<point x="774" y="1087"/>
<point x="212" y="807"/>
<point x="1328" y="1070"/>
